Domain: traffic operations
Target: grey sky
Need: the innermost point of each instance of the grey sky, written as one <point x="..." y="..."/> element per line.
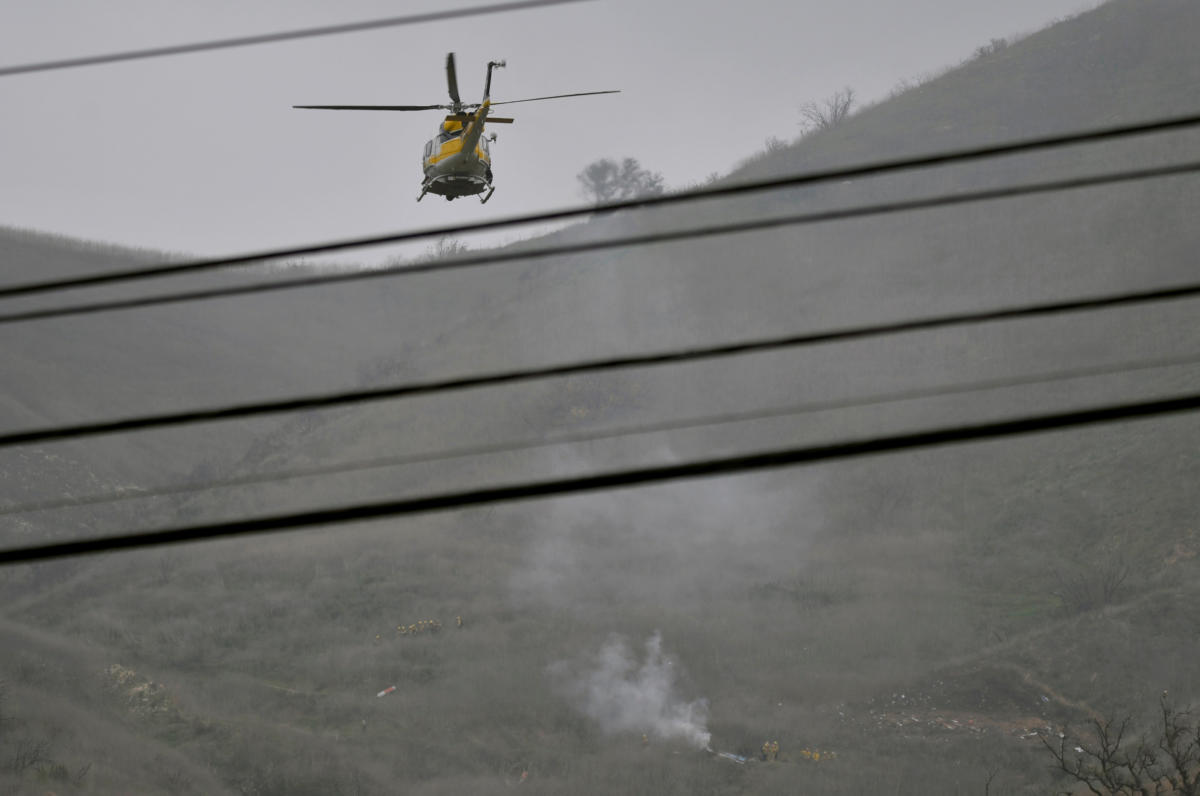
<point x="203" y="153"/>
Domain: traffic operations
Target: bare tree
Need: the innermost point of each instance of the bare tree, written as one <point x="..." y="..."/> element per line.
<point x="992" y="771"/>
<point x="1085" y="590"/>
<point x="605" y="180"/>
<point x="1098" y="573"/>
<point x="1110" y="764"/>
<point x="774" y="144"/>
<point x="26" y="753"/>
<point x="168" y="563"/>
<point x="991" y="48"/>
<point x="446" y="248"/>
<point x="830" y="112"/>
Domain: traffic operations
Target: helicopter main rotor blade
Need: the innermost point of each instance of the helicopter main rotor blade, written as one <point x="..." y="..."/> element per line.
<point x="464" y="118"/>
<point x="452" y="81"/>
<point x="374" y="107"/>
<point x="558" y="96"/>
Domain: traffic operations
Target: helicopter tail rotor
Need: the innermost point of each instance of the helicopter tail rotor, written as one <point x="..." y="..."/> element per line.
<point x="487" y="87"/>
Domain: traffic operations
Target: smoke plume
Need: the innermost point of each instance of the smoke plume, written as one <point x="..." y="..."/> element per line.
<point x="623" y="694"/>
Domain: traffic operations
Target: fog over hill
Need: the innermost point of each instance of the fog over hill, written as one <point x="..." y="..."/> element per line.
<point x="912" y="622"/>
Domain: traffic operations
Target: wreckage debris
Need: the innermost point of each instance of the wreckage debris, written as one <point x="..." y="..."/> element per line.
<point x="1023" y="728"/>
<point x="422" y="626"/>
<point x="141" y="695"/>
<point x="770" y="753"/>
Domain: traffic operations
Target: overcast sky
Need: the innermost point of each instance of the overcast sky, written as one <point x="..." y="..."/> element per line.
<point x="203" y="154"/>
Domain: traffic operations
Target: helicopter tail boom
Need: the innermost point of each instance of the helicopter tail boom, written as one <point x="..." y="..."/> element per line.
<point x="475" y="128"/>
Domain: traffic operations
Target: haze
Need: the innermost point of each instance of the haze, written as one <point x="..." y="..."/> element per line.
<point x="969" y="618"/>
<point x="204" y="154"/>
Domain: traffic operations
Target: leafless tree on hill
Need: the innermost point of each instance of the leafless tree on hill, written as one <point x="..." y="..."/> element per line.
<point x="605" y="180"/>
<point x="1109" y="763"/>
<point x="991" y="48"/>
<point x="828" y="113"/>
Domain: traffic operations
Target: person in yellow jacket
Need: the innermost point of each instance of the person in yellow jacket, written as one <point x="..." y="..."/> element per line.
<point x="774" y="750"/>
<point x="458" y="619"/>
<point x="766" y="750"/>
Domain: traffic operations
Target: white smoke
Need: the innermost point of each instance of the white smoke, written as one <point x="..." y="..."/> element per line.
<point x="622" y="694"/>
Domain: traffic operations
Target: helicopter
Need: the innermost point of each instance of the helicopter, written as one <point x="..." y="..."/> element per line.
<point x="458" y="160"/>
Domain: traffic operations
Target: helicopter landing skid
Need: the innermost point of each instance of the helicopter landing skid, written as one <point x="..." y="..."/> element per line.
<point x="456" y="186"/>
<point x="492" y="190"/>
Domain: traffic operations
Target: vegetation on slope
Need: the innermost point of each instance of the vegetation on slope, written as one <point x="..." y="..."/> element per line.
<point x="924" y="617"/>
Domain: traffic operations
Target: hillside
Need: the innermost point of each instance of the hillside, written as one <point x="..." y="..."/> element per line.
<point x="916" y="620"/>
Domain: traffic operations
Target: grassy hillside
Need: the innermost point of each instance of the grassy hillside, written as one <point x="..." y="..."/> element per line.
<point x="1123" y="62"/>
<point x="907" y="623"/>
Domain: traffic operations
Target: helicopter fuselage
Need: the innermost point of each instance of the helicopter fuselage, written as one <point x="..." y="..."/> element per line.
<point x="453" y="167"/>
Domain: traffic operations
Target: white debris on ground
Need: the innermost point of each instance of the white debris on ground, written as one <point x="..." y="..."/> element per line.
<point x="141" y="695"/>
<point x="945" y="721"/>
<point x="919" y="711"/>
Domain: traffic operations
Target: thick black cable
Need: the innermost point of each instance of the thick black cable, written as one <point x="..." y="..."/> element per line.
<point x="687" y="233"/>
<point x="673" y="357"/>
<point x="637" y="430"/>
<point x="791" y="181"/>
<point x="279" y="36"/>
<point x="704" y="468"/>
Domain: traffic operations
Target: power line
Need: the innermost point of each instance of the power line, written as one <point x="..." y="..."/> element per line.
<point x="279" y="36"/>
<point x="704" y="468"/>
<point x="551" y="440"/>
<point x="723" y="191"/>
<point x="687" y="233"/>
<point x="672" y="357"/>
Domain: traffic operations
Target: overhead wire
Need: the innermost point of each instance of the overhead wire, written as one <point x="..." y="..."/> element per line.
<point x="652" y="359"/>
<point x="631" y="430"/>
<point x="793" y="181"/>
<point x="278" y="36"/>
<point x="604" y="481"/>
<point x="646" y="239"/>
<point x="876" y="168"/>
<point x="607" y="481"/>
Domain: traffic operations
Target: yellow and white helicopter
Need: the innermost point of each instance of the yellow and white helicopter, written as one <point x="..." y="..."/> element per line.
<point x="458" y="162"/>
